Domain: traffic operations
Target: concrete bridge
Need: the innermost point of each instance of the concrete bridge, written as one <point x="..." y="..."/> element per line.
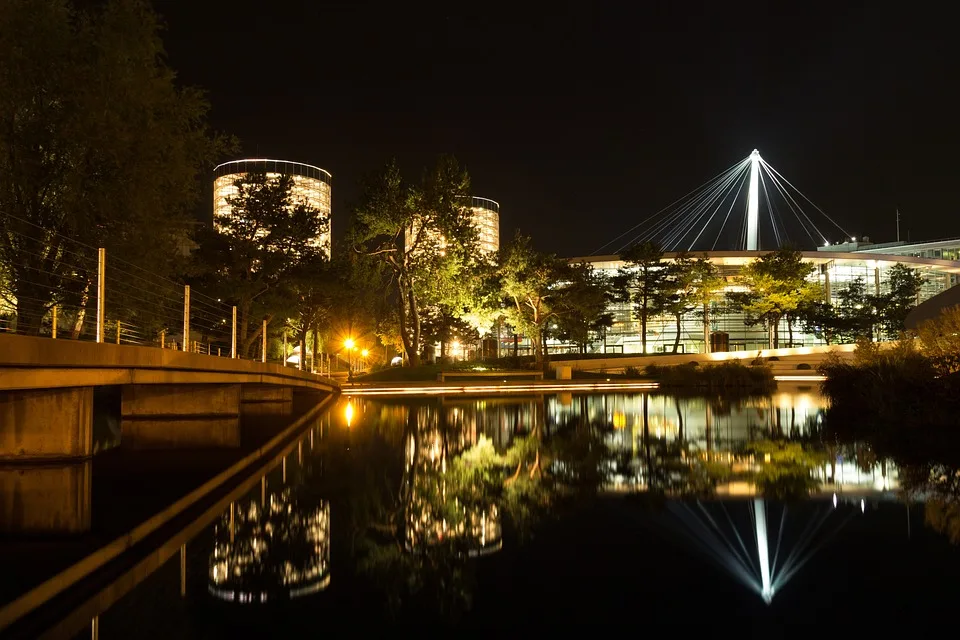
<point x="47" y="395"/>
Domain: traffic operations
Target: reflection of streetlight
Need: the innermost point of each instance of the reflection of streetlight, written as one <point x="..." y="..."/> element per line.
<point x="348" y="413"/>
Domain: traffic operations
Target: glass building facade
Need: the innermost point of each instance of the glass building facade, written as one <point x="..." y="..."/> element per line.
<point x="310" y="185"/>
<point x="834" y="271"/>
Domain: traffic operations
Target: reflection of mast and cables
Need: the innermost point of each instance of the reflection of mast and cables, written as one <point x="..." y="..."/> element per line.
<point x="746" y="555"/>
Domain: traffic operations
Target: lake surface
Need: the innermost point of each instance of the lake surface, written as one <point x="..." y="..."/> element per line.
<point x="629" y="512"/>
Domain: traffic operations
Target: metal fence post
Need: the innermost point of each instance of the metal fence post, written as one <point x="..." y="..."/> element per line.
<point x="263" y="350"/>
<point x="101" y="291"/>
<point x="233" y="340"/>
<point x="163" y="338"/>
<point x="284" y="362"/>
<point x="186" y="317"/>
<point x="118" y="332"/>
<point x="53" y="331"/>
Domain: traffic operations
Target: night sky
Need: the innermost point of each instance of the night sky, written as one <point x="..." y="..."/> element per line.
<point x="580" y="118"/>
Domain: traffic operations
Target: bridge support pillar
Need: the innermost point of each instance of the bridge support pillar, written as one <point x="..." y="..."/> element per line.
<point x="180" y="416"/>
<point x="46" y="424"/>
<point x="258" y="399"/>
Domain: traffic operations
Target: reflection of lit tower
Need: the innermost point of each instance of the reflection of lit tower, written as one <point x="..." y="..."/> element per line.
<point x="269" y="546"/>
<point x="311" y="185"/>
<point x="713" y="528"/>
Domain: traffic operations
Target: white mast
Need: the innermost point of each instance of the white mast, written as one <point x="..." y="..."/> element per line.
<point x="753" y="240"/>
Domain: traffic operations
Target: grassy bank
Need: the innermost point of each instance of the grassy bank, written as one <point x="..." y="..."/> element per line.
<point x="724" y="375"/>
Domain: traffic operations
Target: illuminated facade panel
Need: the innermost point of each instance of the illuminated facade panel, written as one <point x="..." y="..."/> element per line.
<point x="310" y="185"/>
<point x="486" y="217"/>
<point x="485" y="214"/>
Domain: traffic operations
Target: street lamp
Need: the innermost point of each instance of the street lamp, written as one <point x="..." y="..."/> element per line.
<point x="349" y="345"/>
<point x="364" y="354"/>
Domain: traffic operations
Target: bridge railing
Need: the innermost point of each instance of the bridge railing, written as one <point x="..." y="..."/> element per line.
<point x="58" y="287"/>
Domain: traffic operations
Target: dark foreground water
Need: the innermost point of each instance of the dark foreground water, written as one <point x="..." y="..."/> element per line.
<point x="626" y="513"/>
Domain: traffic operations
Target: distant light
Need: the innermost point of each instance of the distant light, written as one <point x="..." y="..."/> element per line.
<point x="834" y="501"/>
<point x="365" y="353"/>
<point x="828" y="243"/>
<point x="853" y="239"/>
<point x="348" y="343"/>
<point x="863" y="506"/>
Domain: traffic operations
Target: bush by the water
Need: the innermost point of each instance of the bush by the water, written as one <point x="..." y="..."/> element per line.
<point x="902" y="398"/>
<point x="713" y="376"/>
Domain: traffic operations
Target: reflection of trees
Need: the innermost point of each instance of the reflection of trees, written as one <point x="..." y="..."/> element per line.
<point x="454" y="494"/>
<point x="272" y="545"/>
<point x="938" y="485"/>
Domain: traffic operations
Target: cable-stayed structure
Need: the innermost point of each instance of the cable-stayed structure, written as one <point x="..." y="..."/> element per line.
<point x="733" y="210"/>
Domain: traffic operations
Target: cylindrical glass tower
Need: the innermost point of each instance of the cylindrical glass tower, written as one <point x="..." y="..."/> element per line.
<point x="486" y="215"/>
<point x="310" y="183"/>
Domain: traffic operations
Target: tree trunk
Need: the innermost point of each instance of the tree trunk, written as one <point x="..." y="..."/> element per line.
<point x="415" y="319"/>
<point x="643" y="331"/>
<point x="776" y="334"/>
<point x="516" y="344"/>
<point x="676" y="340"/>
<point x="790" y="330"/>
<point x="81" y="313"/>
<point x="537" y="343"/>
<point x="706" y="327"/>
<point x="244" y="328"/>
<point x="30" y="309"/>
<point x="316" y="347"/>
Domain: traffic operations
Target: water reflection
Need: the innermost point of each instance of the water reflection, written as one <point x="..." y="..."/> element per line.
<point x="275" y="541"/>
<point x="46" y="499"/>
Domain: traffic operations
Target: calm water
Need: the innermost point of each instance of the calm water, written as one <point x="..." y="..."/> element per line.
<point x="514" y="515"/>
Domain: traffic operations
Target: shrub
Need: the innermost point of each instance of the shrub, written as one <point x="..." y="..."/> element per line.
<point x="804" y="366"/>
<point x="713" y="376"/>
<point x="773" y="359"/>
<point x="631" y="372"/>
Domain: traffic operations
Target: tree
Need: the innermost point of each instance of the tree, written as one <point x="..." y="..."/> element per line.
<point x="530" y="281"/>
<point x="583" y="301"/>
<point x="775" y="286"/>
<point x="691" y="283"/>
<point x="98" y="147"/>
<point x="423" y="236"/>
<point x="856" y="311"/>
<point x="643" y="282"/>
<point x="903" y="289"/>
<point x="263" y="256"/>
<point x="708" y="283"/>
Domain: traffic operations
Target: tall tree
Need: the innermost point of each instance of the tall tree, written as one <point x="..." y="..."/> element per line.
<point x="530" y="281"/>
<point x="584" y="297"/>
<point x="775" y="285"/>
<point x="708" y="285"/>
<point x="263" y="256"/>
<point x="903" y="290"/>
<point x="424" y="237"/>
<point x="98" y="146"/>
<point x="643" y="282"/>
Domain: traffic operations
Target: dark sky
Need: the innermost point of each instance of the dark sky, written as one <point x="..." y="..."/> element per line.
<point x="583" y="118"/>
